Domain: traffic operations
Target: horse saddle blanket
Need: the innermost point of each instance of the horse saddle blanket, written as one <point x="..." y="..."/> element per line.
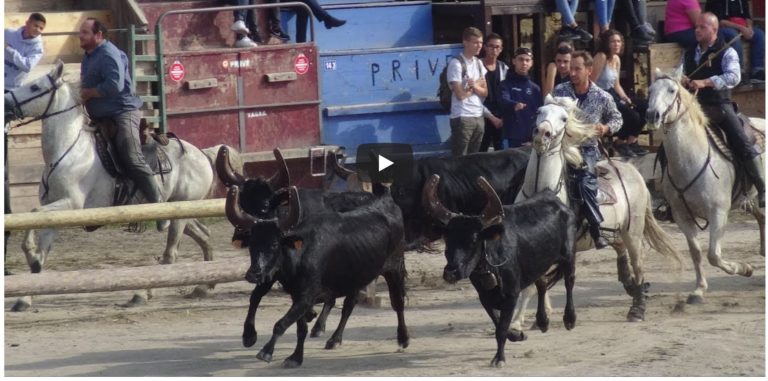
<point x="154" y="154"/>
<point x="755" y="136"/>
<point x="605" y="192"/>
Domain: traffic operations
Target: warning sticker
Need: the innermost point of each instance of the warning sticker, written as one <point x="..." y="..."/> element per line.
<point x="301" y="64"/>
<point x="176" y="71"/>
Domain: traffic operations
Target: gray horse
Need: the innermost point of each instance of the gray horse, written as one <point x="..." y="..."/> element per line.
<point x="74" y="177"/>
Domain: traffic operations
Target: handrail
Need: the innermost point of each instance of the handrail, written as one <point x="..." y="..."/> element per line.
<point x="159" y="40"/>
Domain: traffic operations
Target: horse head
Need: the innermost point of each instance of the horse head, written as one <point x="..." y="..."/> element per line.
<point x="664" y="99"/>
<point x="560" y="126"/>
<point x="36" y="99"/>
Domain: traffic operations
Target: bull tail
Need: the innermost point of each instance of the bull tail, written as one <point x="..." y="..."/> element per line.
<point x="657" y="237"/>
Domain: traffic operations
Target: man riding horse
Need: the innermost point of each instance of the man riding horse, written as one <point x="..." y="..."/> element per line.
<point x="599" y="109"/>
<point x="107" y="94"/>
<point x="712" y="69"/>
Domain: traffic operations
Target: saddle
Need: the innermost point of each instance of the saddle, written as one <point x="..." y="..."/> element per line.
<point x="154" y="154"/>
<point x="755" y="137"/>
<point x="605" y="192"/>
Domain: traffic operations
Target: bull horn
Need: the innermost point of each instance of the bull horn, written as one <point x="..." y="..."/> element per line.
<point x="235" y="214"/>
<point x="224" y="169"/>
<point x="294" y="210"/>
<point x="281" y="178"/>
<point x="337" y="166"/>
<point x="432" y="203"/>
<point x="493" y="213"/>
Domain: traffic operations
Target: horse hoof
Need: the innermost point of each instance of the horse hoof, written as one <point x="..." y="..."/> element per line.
<point x="748" y="271"/>
<point x="135" y="302"/>
<point x="515" y="335"/>
<point x="197" y="293"/>
<point x="20" y="306"/>
<point x="632" y="318"/>
<point x="695" y="299"/>
<point x="332" y="344"/>
<point x="291" y="364"/>
<point x="36" y="267"/>
<point x="264" y="356"/>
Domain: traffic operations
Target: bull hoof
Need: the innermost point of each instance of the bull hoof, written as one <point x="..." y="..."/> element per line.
<point x="514" y="335"/>
<point x="249" y="341"/>
<point x="542" y="324"/>
<point x="317" y="332"/>
<point x="403" y="342"/>
<point x="695" y="299"/>
<point x="198" y="293"/>
<point x="635" y="316"/>
<point x="264" y="356"/>
<point x="290" y="363"/>
<point x="135" y="302"/>
<point x="332" y="343"/>
<point x="497" y="363"/>
<point x="20" y="306"/>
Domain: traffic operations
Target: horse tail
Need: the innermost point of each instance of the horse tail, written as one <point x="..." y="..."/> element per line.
<point x="657" y="237"/>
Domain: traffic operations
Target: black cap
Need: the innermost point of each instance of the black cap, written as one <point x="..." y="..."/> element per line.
<point x="523" y="50"/>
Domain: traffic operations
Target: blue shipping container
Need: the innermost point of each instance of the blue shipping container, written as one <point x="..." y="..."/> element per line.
<point x="370" y="26"/>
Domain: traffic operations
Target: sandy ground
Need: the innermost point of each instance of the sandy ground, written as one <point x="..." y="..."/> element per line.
<point x="90" y="335"/>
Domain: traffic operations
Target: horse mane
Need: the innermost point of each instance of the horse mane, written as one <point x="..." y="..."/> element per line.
<point x="74" y="89"/>
<point x="577" y="131"/>
<point x="691" y="106"/>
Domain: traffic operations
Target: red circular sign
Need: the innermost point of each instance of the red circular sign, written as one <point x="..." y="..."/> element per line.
<point x="176" y="71"/>
<point x="301" y="64"/>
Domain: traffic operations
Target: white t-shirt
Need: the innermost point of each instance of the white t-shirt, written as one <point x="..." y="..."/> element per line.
<point x="472" y="106"/>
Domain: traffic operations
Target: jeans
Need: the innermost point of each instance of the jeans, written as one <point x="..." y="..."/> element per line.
<point x="585" y="181"/>
<point x="466" y="135"/>
<point x="567" y="8"/>
<point x="128" y="146"/>
<point x="604" y="11"/>
<point x="247" y="16"/>
<point x="634" y="12"/>
<point x="756" y="55"/>
<point x="491" y="137"/>
<point x="302" y="18"/>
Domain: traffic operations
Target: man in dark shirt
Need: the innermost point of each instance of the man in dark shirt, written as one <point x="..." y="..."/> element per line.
<point x="106" y="92"/>
<point x="735" y="18"/>
<point x="520" y="99"/>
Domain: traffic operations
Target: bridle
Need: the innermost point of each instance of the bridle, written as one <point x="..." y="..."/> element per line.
<point x="551" y="151"/>
<point x="677" y="102"/>
<point x="45" y="115"/>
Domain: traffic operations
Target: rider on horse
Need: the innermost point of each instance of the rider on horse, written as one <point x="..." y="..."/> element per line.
<point x="107" y="94"/>
<point x="713" y="69"/>
<point x="597" y="107"/>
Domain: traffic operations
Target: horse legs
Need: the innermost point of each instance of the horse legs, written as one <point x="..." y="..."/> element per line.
<point x="716" y="232"/>
<point x="201" y="235"/>
<point x="690" y="231"/>
<point x="633" y="283"/>
<point x="759" y="215"/>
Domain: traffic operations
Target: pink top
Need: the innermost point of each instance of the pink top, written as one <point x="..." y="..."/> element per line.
<point x="675" y="18"/>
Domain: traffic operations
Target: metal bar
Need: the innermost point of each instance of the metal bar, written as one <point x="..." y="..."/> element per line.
<point x="160" y="74"/>
<point x="237" y="108"/>
<point x="75" y="33"/>
<point x="241" y="111"/>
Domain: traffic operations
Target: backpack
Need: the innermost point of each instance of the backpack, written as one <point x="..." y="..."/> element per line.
<point x="444" y="92"/>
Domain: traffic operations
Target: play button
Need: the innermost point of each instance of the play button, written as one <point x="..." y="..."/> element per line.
<point x="384" y="162"/>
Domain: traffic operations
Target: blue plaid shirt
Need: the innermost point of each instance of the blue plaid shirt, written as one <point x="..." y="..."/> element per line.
<point x="597" y="107"/>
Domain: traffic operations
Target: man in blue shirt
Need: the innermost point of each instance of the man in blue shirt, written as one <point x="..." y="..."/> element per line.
<point x="520" y="99"/>
<point x="106" y="92"/>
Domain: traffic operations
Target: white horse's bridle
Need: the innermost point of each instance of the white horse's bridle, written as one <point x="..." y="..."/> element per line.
<point x="550" y="151"/>
<point x="53" y="89"/>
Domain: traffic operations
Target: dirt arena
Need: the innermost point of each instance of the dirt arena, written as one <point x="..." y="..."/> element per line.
<point x="90" y="335"/>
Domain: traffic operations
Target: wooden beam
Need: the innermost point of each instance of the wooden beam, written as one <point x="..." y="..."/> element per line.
<point x="130" y="278"/>
<point x="116" y="214"/>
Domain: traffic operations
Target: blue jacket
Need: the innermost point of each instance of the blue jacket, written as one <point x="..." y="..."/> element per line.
<point x="21" y="55"/>
<point x="518" y="125"/>
<point x="106" y="69"/>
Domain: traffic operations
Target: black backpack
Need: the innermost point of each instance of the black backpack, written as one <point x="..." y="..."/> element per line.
<point x="444" y="92"/>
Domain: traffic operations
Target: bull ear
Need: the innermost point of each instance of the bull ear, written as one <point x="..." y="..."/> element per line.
<point x="493" y="213"/>
<point x="338" y="168"/>
<point x="281" y="178"/>
<point x="492" y="233"/>
<point x="432" y="204"/>
<point x="224" y="169"/>
<point x="294" y="210"/>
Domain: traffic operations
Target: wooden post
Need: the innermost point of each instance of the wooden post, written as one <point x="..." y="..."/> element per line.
<point x="116" y="214"/>
<point x="128" y="278"/>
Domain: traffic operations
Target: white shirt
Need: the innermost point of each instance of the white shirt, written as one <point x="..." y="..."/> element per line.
<point x="471" y="107"/>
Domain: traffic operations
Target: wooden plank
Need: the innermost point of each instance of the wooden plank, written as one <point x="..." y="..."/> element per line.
<point x="34" y="128"/>
<point x="664" y="56"/>
<point x="60" y="21"/>
<point x="26" y="173"/>
<point x="24" y="197"/>
<point x="24" y="141"/>
<point x="25" y="155"/>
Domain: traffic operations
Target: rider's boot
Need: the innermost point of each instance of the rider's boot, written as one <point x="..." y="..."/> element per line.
<point x="151" y="190"/>
<point x="754" y="169"/>
<point x="600" y="241"/>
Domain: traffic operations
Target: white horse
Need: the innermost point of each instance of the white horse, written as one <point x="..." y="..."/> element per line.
<point x="556" y="139"/>
<point x="74" y="177"/>
<point x="703" y="175"/>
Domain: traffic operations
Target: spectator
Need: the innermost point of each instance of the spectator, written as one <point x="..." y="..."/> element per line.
<point x="106" y="92"/>
<point x="598" y="108"/>
<point x="23" y="50"/>
<point x="635" y="14"/>
<point x="302" y="18"/>
<point x="712" y="82"/>
<point x="245" y="21"/>
<point x="735" y="18"/>
<point x="496" y="71"/>
<point x="604" y="13"/>
<point x="466" y="76"/>
<point x="571" y="30"/>
<point x="680" y="22"/>
<point x="560" y="70"/>
<point x="605" y="74"/>
<point x="520" y="100"/>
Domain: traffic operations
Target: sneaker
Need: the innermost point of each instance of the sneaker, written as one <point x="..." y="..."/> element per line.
<point x="583" y="34"/>
<point x="568" y="33"/>
<point x="648" y="29"/>
<point x="239" y="27"/>
<point x="639" y="151"/>
<point x="245" y="42"/>
<point x="278" y="32"/>
<point x="624" y="150"/>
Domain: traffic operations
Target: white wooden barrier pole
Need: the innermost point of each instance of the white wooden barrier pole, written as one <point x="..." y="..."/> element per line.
<point x="126" y="278"/>
<point x="115" y="214"/>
